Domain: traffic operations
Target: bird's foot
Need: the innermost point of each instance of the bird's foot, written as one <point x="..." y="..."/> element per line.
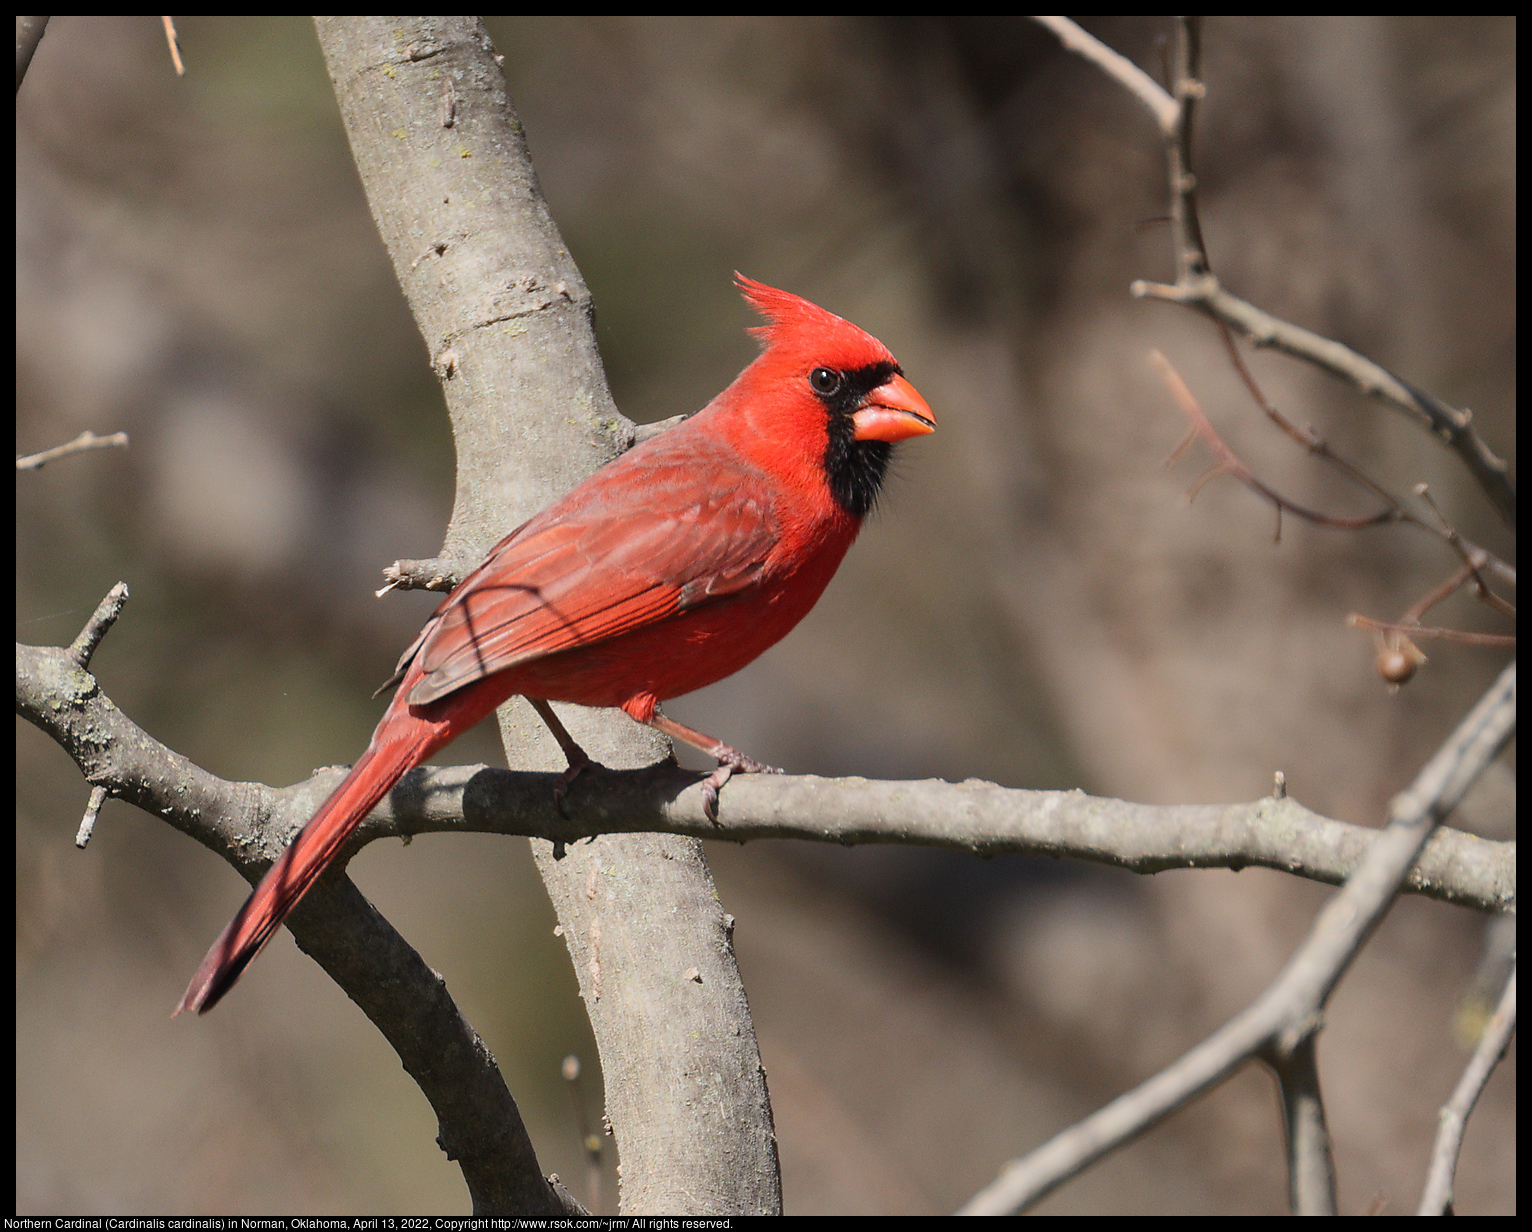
<point x="561" y="787"/>
<point x="730" y="762"/>
<point x="579" y="759"/>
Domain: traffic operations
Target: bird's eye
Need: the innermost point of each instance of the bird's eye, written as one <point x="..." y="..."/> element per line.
<point x="825" y="381"/>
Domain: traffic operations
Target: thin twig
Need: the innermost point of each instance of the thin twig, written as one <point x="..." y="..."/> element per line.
<point x="1142" y="86"/>
<point x="86" y="440"/>
<point x="1197" y="287"/>
<point x="1500" y="640"/>
<point x="1192" y="266"/>
<point x="1448" y="424"/>
<point x="175" y="45"/>
<point x="1474" y="557"/>
<point x="1307" y="437"/>
<point x="1453" y="1118"/>
<point x="1230" y="464"/>
<point x="98" y="796"/>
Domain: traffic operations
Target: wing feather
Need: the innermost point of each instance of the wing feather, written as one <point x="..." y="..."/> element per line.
<point x="640" y="541"/>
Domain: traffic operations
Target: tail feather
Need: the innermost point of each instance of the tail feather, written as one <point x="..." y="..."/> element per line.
<point x="316" y="846"/>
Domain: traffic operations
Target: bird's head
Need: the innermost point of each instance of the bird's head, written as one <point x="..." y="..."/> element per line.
<point x="823" y="384"/>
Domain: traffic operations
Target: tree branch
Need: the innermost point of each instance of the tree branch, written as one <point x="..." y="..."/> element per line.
<point x="1285" y="1017"/>
<point x="249" y="823"/>
<point x="508" y="322"/>
<point x="1310" y="1165"/>
<point x="29" y="33"/>
<point x="1437" y="1198"/>
<point x="87" y="440"/>
<point x="1197" y="287"/>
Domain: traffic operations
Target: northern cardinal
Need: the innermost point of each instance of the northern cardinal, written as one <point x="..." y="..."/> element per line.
<point x="670" y="568"/>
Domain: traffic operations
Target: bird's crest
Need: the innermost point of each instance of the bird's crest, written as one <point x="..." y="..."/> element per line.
<point x="793" y="324"/>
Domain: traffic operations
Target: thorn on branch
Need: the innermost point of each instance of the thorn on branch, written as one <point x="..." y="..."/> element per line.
<point x="104" y="617"/>
<point x="98" y="796"/>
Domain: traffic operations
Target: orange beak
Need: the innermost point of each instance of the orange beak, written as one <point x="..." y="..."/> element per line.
<point x="893" y="412"/>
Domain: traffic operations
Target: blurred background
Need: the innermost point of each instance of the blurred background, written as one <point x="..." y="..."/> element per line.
<point x="1035" y="602"/>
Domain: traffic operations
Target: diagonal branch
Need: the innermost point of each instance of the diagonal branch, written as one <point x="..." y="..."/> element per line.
<point x="1451" y="426"/>
<point x="86" y="441"/>
<point x="1230" y="464"/>
<point x="1197" y="287"/>
<point x="1288" y="1014"/>
<point x="29" y="33"/>
<point x="1437" y="1198"/>
<point x="248" y="825"/>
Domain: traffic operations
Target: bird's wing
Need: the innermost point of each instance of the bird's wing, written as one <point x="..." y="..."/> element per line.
<point x="634" y="545"/>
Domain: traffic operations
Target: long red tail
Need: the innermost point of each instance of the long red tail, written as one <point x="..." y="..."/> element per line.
<point x="391" y="753"/>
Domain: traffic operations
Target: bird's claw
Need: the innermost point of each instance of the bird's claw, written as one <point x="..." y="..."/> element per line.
<point x="740" y="764"/>
<point x="561" y="788"/>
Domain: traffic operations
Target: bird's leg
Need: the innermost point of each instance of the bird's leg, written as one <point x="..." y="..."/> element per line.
<point x="729" y="758"/>
<point x="579" y="759"/>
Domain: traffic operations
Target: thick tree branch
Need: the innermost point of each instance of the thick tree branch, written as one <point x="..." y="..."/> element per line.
<point x="974" y="816"/>
<point x="508" y="322"/>
<point x="249" y="823"/>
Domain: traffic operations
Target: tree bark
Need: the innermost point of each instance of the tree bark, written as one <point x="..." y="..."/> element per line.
<point x="508" y="322"/>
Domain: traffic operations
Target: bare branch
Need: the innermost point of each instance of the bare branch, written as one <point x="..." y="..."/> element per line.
<point x="433" y="574"/>
<point x="29" y="33"/>
<point x="1288" y="1013"/>
<point x="98" y="796"/>
<point x="979" y="817"/>
<point x="1230" y="464"/>
<point x="1449" y="425"/>
<point x="1474" y="557"/>
<point x="1137" y="82"/>
<point x="1198" y="288"/>
<point x="175" y="45"/>
<point x="974" y="816"/>
<point x="86" y="440"/>
<point x="97" y="627"/>
<point x="1357" y="620"/>
<point x="407" y="1001"/>
<point x="1310" y="1165"/>
<point x="1307" y="437"/>
<point x="1437" y="1198"/>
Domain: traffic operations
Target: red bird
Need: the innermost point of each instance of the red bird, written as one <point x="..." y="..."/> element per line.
<point x="670" y="568"/>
